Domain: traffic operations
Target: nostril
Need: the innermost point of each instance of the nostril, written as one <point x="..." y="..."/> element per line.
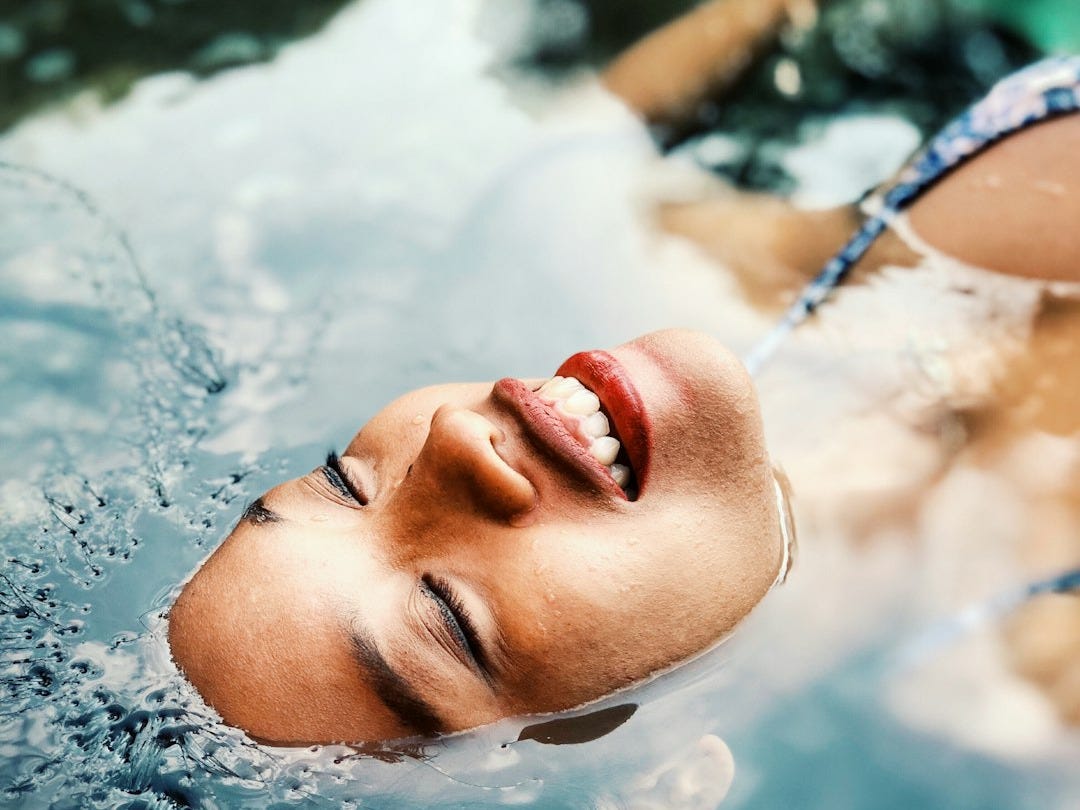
<point x="467" y="454"/>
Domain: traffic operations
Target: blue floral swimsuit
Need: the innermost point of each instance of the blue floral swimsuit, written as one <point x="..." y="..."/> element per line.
<point x="1037" y="93"/>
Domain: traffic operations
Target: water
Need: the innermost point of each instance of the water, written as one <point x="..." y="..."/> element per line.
<point x="206" y="285"/>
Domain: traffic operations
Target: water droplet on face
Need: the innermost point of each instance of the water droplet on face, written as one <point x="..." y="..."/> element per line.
<point x="1051" y="188"/>
<point x="418" y="419"/>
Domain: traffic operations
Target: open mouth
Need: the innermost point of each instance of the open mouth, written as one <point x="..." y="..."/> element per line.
<point x="581" y="412"/>
<point x="602" y="376"/>
<point x="584" y="416"/>
<point x="590" y="419"/>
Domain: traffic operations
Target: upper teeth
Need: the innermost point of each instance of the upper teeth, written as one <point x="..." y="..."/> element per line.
<point x="580" y="411"/>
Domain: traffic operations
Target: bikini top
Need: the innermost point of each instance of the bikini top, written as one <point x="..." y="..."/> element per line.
<point x="1042" y="91"/>
<point x="1045" y="90"/>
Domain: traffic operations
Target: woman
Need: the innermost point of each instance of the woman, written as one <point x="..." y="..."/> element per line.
<point x="489" y="550"/>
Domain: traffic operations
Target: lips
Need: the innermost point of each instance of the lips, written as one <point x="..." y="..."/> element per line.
<point x="547" y="432"/>
<point x="603" y="375"/>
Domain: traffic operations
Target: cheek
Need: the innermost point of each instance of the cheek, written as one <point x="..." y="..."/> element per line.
<point x="593" y="618"/>
<point x="388" y="445"/>
<point x="683" y="579"/>
<point x="721" y="452"/>
<point x="391" y="440"/>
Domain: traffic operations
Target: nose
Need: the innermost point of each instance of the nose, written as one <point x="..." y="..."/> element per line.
<point x="459" y="467"/>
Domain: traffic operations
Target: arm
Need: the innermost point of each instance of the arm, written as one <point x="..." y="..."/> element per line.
<point x="771" y="246"/>
<point x="668" y="72"/>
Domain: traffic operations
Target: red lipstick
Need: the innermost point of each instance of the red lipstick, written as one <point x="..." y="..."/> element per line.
<point x="602" y="374"/>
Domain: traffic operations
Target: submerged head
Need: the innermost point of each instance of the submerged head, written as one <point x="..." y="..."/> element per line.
<point x="469" y="559"/>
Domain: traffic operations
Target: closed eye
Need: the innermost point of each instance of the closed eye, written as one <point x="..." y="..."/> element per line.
<point x="339" y="479"/>
<point x="458" y="621"/>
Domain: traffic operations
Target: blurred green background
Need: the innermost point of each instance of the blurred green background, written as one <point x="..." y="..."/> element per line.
<point x="1053" y="25"/>
<point x="52" y="48"/>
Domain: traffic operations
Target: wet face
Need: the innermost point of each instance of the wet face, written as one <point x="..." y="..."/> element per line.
<point x="472" y="555"/>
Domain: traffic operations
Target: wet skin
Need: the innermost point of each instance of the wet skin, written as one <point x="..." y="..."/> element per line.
<point x="486" y="575"/>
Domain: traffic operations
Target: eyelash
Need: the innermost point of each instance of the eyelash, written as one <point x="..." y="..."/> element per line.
<point x="336" y="476"/>
<point x="459" y="616"/>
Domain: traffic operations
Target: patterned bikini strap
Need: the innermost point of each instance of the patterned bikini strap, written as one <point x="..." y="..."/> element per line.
<point x="946" y="632"/>
<point x="1039" y="92"/>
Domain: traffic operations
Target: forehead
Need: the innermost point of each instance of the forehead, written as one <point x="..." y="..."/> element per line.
<point x="268" y="647"/>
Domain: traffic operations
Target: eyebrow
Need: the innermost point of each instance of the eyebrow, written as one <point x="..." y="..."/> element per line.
<point x="258" y="513"/>
<point x="396" y="693"/>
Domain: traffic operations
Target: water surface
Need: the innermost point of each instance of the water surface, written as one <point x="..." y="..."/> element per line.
<point x="208" y="284"/>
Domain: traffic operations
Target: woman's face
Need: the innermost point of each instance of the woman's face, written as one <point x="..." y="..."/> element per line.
<point x="471" y="559"/>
